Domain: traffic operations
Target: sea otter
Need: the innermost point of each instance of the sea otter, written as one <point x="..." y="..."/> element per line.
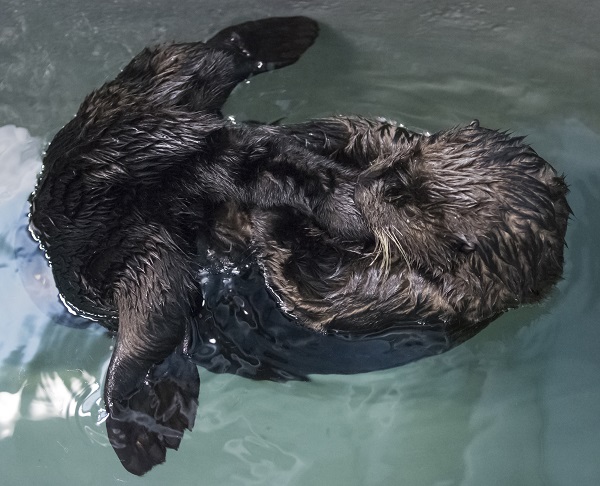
<point x="357" y="225"/>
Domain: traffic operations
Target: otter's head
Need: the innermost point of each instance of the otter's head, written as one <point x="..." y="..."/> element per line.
<point x="474" y="210"/>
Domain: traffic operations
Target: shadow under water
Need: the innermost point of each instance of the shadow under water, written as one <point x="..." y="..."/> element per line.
<point x="243" y="330"/>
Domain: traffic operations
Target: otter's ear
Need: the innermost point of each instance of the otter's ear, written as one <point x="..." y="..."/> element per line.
<point x="143" y="425"/>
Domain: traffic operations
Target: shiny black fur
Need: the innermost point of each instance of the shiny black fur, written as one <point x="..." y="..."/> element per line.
<point x="359" y="225"/>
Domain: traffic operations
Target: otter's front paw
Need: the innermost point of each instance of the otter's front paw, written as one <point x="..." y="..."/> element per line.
<point x="389" y="202"/>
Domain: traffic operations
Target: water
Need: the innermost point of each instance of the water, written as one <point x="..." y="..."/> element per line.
<point x="517" y="405"/>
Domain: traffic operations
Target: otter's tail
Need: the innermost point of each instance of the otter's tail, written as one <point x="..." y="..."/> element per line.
<point x="267" y="44"/>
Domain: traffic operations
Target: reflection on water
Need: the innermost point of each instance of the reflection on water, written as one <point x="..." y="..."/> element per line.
<point x="55" y="397"/>
<point x="517" y="405"/>
<point x="37" y="383"/>
<point x="10" y="404"/>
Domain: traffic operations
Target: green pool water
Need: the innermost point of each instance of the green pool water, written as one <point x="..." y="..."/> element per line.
<point x="519" y="404"/>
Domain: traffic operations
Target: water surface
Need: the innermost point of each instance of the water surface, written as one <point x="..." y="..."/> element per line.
<point x="517" y="405"/>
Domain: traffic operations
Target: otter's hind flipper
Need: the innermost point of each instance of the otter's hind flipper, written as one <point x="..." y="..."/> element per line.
<point x="141" y="428"/>
<point x="151" y="389"/>
<point x="267" y="44"/>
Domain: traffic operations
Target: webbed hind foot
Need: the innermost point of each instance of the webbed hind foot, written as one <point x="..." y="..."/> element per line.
<point x="267" y="44"/>
<point x="144" y="425"/>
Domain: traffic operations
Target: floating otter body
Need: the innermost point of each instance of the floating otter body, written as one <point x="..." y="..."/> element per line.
<point x="363" y="229"/>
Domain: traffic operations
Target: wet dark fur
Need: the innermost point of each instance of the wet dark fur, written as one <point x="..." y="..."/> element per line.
<point x="467" y="223"/>
<point x="359" y="224"/>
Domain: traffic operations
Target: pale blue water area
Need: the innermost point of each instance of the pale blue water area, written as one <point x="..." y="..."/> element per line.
<point x="517" y="405"/>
